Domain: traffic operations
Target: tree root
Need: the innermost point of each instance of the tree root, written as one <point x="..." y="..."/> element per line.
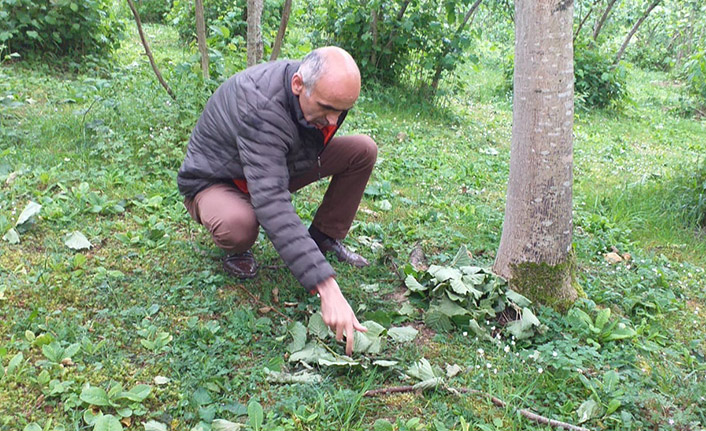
<point x="497" y="401"/>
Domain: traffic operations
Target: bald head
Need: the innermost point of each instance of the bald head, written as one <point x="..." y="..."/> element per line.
<point x="334" y="66"/>
<point x="327" y="83"/>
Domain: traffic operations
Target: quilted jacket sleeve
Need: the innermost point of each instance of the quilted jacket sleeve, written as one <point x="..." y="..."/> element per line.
<point x="263" y="146"/>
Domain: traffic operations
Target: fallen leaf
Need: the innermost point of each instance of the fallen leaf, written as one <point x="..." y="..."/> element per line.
<point x="612" y="257"/>
<point x="264" y="310"/>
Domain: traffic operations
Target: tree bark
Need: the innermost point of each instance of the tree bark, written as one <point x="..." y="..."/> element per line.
<point x="286" y="11"/>
<point x="254" y="41"/>
<point x="201" y="37"/>
<point x="602" y="20"/>
<point x="535" y="248"/>
<point x="148" y="51"/>
<point x="633" y="31"/>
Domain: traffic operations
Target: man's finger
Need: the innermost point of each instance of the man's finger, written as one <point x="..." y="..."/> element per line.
<point x="350" y="336"/>
<point x="359" y="327"/>
<point x="339" y="333"/>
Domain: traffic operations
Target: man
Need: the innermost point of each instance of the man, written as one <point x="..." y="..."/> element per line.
<point x="264" y="133"/>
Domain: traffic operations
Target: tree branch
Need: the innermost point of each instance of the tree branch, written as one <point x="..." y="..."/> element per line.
<point x="495" y="400"/>
<point x="147" y="49"/>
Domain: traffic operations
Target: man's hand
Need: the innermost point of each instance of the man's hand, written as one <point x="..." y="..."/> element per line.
<point x="337" y="313"/>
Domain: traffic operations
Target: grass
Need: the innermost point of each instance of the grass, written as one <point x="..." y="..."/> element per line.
<point x="99" y="151"/>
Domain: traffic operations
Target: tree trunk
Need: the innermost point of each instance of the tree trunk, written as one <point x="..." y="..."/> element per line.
<point x="286" y="10"/>
<point x="148" y="51"/>
<point x="201" y="38"/>
<point x="634" y="30"/>
<point x="439" y="61"/>
<point x="535" y="248"/>
<point x="374" y="31"/>
<point x="254" y="32"/>
<point x="602" y="20"/>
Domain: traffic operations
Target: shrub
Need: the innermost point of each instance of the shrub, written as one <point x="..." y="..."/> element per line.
<point x="598" y="82"/>
<point x="60" y="27"/>
<point x="153" y="10"/>
<point x="694" y="71"/>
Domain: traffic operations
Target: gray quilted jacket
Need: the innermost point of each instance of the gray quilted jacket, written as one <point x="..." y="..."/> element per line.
<point x="252" y="128"/>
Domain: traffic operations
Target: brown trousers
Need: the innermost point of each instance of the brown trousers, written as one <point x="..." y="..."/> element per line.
<point x="230" y="218"/>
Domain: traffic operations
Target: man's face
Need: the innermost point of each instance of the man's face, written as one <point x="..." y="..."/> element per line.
<point x="323" y="104"/>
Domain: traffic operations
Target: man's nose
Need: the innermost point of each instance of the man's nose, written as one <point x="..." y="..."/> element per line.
<point x="332" y="119"/>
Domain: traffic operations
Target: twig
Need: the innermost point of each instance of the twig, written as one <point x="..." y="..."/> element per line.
<point x="256" y="299"/>
<point x="495" y="400"/>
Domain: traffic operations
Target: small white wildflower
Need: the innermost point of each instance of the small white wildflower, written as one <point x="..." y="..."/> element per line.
<point x="517" y="354"/>
<point x="481" y="352"/>
<point x="671" y="421"/>
<point x="66" y="159"/>
<point x="495" y="371"/>
<point x="555" y="354"/>
<point x="506" y="349"/>
<point x="488" y="366"/>
<point x="477" y="366"/>
<point x="492" y="328"/>
<point x="540" y="370"/>
<point x="512" y="342"/>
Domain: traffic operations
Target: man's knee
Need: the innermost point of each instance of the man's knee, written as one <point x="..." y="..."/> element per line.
<point x="235" y="233"/>
<point x="368" y="150"/>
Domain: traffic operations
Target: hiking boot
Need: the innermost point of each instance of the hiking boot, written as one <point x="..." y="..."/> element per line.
<point x="240" y="265"/>
<point x="328" y="244"/>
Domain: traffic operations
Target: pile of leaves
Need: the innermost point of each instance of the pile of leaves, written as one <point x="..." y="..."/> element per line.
<point x="471" y="298"/>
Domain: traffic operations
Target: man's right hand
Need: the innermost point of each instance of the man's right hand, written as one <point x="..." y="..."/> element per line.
<point x="337" y="313"/>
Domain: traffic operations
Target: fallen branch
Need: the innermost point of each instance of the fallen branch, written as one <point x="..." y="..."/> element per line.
<point x="495" y="400"/>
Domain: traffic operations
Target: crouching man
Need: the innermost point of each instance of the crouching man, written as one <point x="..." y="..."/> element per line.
<point x="265" y="133"/>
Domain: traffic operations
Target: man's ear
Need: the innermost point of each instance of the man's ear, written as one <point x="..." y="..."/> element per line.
<point x="297" y="84"/>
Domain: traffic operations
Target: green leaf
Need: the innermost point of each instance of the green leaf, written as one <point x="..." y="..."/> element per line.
<point x="107" y="423"/>
<point x="255" y="415"/>
<point x="77" y="241"/>
<point x="437" y="320"/>
<point x="14" y="363"/>
<point x="382" y="425"/>
<point x="32" y="208"/>
<point x="384" y="363"/>
<point x="613" y="405"/>
<point x="459" y="287"/>
<point x="298" y="333"/>
<point x="404" y="334"/>
<point x="480" y="332"/>
<point x="462" y="258"/>
<point x="288" y="378"/>
<point x="74" y="7"/>
<point x="413" y="285"/>
<point x="12" y="236"/>
<point x="317" y="327"/>
<point x="54" y="352"/>
<point x="153" y="425"/>
<point x="95" y="396"/>
<point x="620" y="332"/>
<point x="602" y="318"/>
<point x="610" y="381"/>
<point x="136" y="394"/>
<point x="224" y="425"/>
<point x="369" y="342"/>
<point x="517" y="299"/>
<point x="443" y="273"/>
<point x="32" y="427"/>
<point x="429" y="383"/>
<point x="422" y="370"/>
<point x="449" y="308"/>
<point x="524" y="327"/>
<point x="589" y="409"/>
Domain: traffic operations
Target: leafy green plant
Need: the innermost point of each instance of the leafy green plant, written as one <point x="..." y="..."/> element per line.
<point x="602" y="328"/>
<point x="599" y="83"/>
<point x="153" y="10"/>
<point x="123" y="403"/>
<point x="62" y="27"/>
<point x="466" y="296"/>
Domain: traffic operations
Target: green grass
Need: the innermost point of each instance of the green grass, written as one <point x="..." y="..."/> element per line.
<point x="99" y="151"/>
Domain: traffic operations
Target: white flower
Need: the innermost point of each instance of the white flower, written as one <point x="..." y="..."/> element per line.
<point x="465" y="334"/>
<point x="671" y="421"/>
<point x="555" y="354"/>
<point x="481" y="352"/>
<point x="488" y="365"/>
<point x="506" y="349"/>
<point x="540" y="370"/>
<point x="495" y="371"/>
